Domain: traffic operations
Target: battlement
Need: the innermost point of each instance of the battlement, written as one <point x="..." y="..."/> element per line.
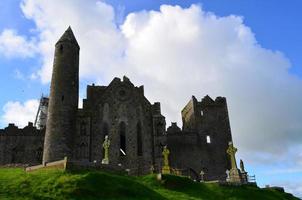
<point x="196" y="112"/>
<point x="135" y="128"/>
<point x="124" y="80"/>
<point x="29" y="130"/>
<point x="208" y="101"/>
<point x="156" y="110"/>
<point x="95" y="90"/>
<point x="173" y="129"/>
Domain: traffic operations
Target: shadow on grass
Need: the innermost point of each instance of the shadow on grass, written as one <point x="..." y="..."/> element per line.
<point x="15" y="184"/>
<point x="214" y="191"/>
<point x="96" y="185"/>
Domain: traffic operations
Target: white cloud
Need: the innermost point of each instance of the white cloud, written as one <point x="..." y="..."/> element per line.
<point x="179" y="52"/>
<point x="93" y="25"/>
<point x="20" y="113"/>
<point x="13" y="45"/>
<point x="293" y="187"/>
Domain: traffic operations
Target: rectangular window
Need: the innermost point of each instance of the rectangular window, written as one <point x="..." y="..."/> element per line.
<point x="208" y="139"/>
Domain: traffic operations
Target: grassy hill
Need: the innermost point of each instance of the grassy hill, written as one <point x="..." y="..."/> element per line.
<point x="92" y="185"/>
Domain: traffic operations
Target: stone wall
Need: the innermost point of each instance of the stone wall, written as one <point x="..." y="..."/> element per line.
<point x="203" y="141"/>
<point x="122" y="109"/>
<point x="136" y="128"/>
<point x="21" y="146"/>
<point x="63" y="100"/>
<point x="122" y="112"/>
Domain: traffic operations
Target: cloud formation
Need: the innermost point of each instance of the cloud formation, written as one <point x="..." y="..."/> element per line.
<point x="176" y="52"/>
<point x="13" y="45"/>
<point x="189" y="51"/>
<point x="20" y="113"/>
<point x="93" y="24"/>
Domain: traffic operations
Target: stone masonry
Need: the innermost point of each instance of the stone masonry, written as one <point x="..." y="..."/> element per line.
<point x="136" y="128"/>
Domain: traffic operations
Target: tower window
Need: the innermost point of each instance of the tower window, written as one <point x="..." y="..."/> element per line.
<point x="62" y="98"/>
<point x="61" y="48"/>
<point x="139" y="139"/>
<point x="208" y="139"/>
<point x="122" y="131"/>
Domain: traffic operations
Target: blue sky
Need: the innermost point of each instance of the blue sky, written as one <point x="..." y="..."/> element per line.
<point x="262" y="85"/>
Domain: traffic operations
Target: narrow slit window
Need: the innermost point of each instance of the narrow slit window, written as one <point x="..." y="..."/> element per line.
<point x="139" y="139"/>
<point x="122" y="130"/>
<point x="61" y="48"/>
<point x="208" y="139"/>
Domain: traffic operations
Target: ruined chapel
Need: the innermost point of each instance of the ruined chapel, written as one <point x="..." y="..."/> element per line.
<point x="136" y="127"/>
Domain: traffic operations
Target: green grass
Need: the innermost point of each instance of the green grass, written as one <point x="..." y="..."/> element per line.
<point x="92" y="185"/>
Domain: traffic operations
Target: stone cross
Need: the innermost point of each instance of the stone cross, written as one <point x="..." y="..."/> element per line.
<point x="152" y="169"/>
<point x="232" y="151"/>
<point x="242" y="166"/>
<point x="201" y="176"/>
<point x="166" y="167"/>
<point x="244" y="175"/>
<point x="106" y="145"/>
<point x="166" y="153"/>
<point x="235" y="175"/>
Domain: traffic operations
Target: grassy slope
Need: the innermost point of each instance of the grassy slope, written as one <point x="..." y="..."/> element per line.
<point x="53" y="184"/>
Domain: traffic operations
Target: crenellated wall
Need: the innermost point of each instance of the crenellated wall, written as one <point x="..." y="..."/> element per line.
<point x="136" y="128"/>
<point x="21" y="145"/>
<point x="121" y="110"/>
<point x="203" y="141"/>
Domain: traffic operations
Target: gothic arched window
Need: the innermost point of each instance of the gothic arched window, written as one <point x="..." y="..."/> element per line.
<point x="208" y="139"/>
<point x="122" y="132"/>
<point x="139" y="139"/>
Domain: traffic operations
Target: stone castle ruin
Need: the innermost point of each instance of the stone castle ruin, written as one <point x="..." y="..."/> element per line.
<point x="134" y="126"/>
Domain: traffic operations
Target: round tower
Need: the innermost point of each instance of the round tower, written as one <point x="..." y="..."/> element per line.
<point x="63" y="99"/>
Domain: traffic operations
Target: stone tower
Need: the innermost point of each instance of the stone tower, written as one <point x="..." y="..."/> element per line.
<point x="63" y="99"/>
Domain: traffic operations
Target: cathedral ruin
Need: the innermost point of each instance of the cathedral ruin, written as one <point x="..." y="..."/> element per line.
<point x="135" y="127"/>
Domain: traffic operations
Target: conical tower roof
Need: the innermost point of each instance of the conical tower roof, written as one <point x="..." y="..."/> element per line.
<point x="68" y="36"/>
